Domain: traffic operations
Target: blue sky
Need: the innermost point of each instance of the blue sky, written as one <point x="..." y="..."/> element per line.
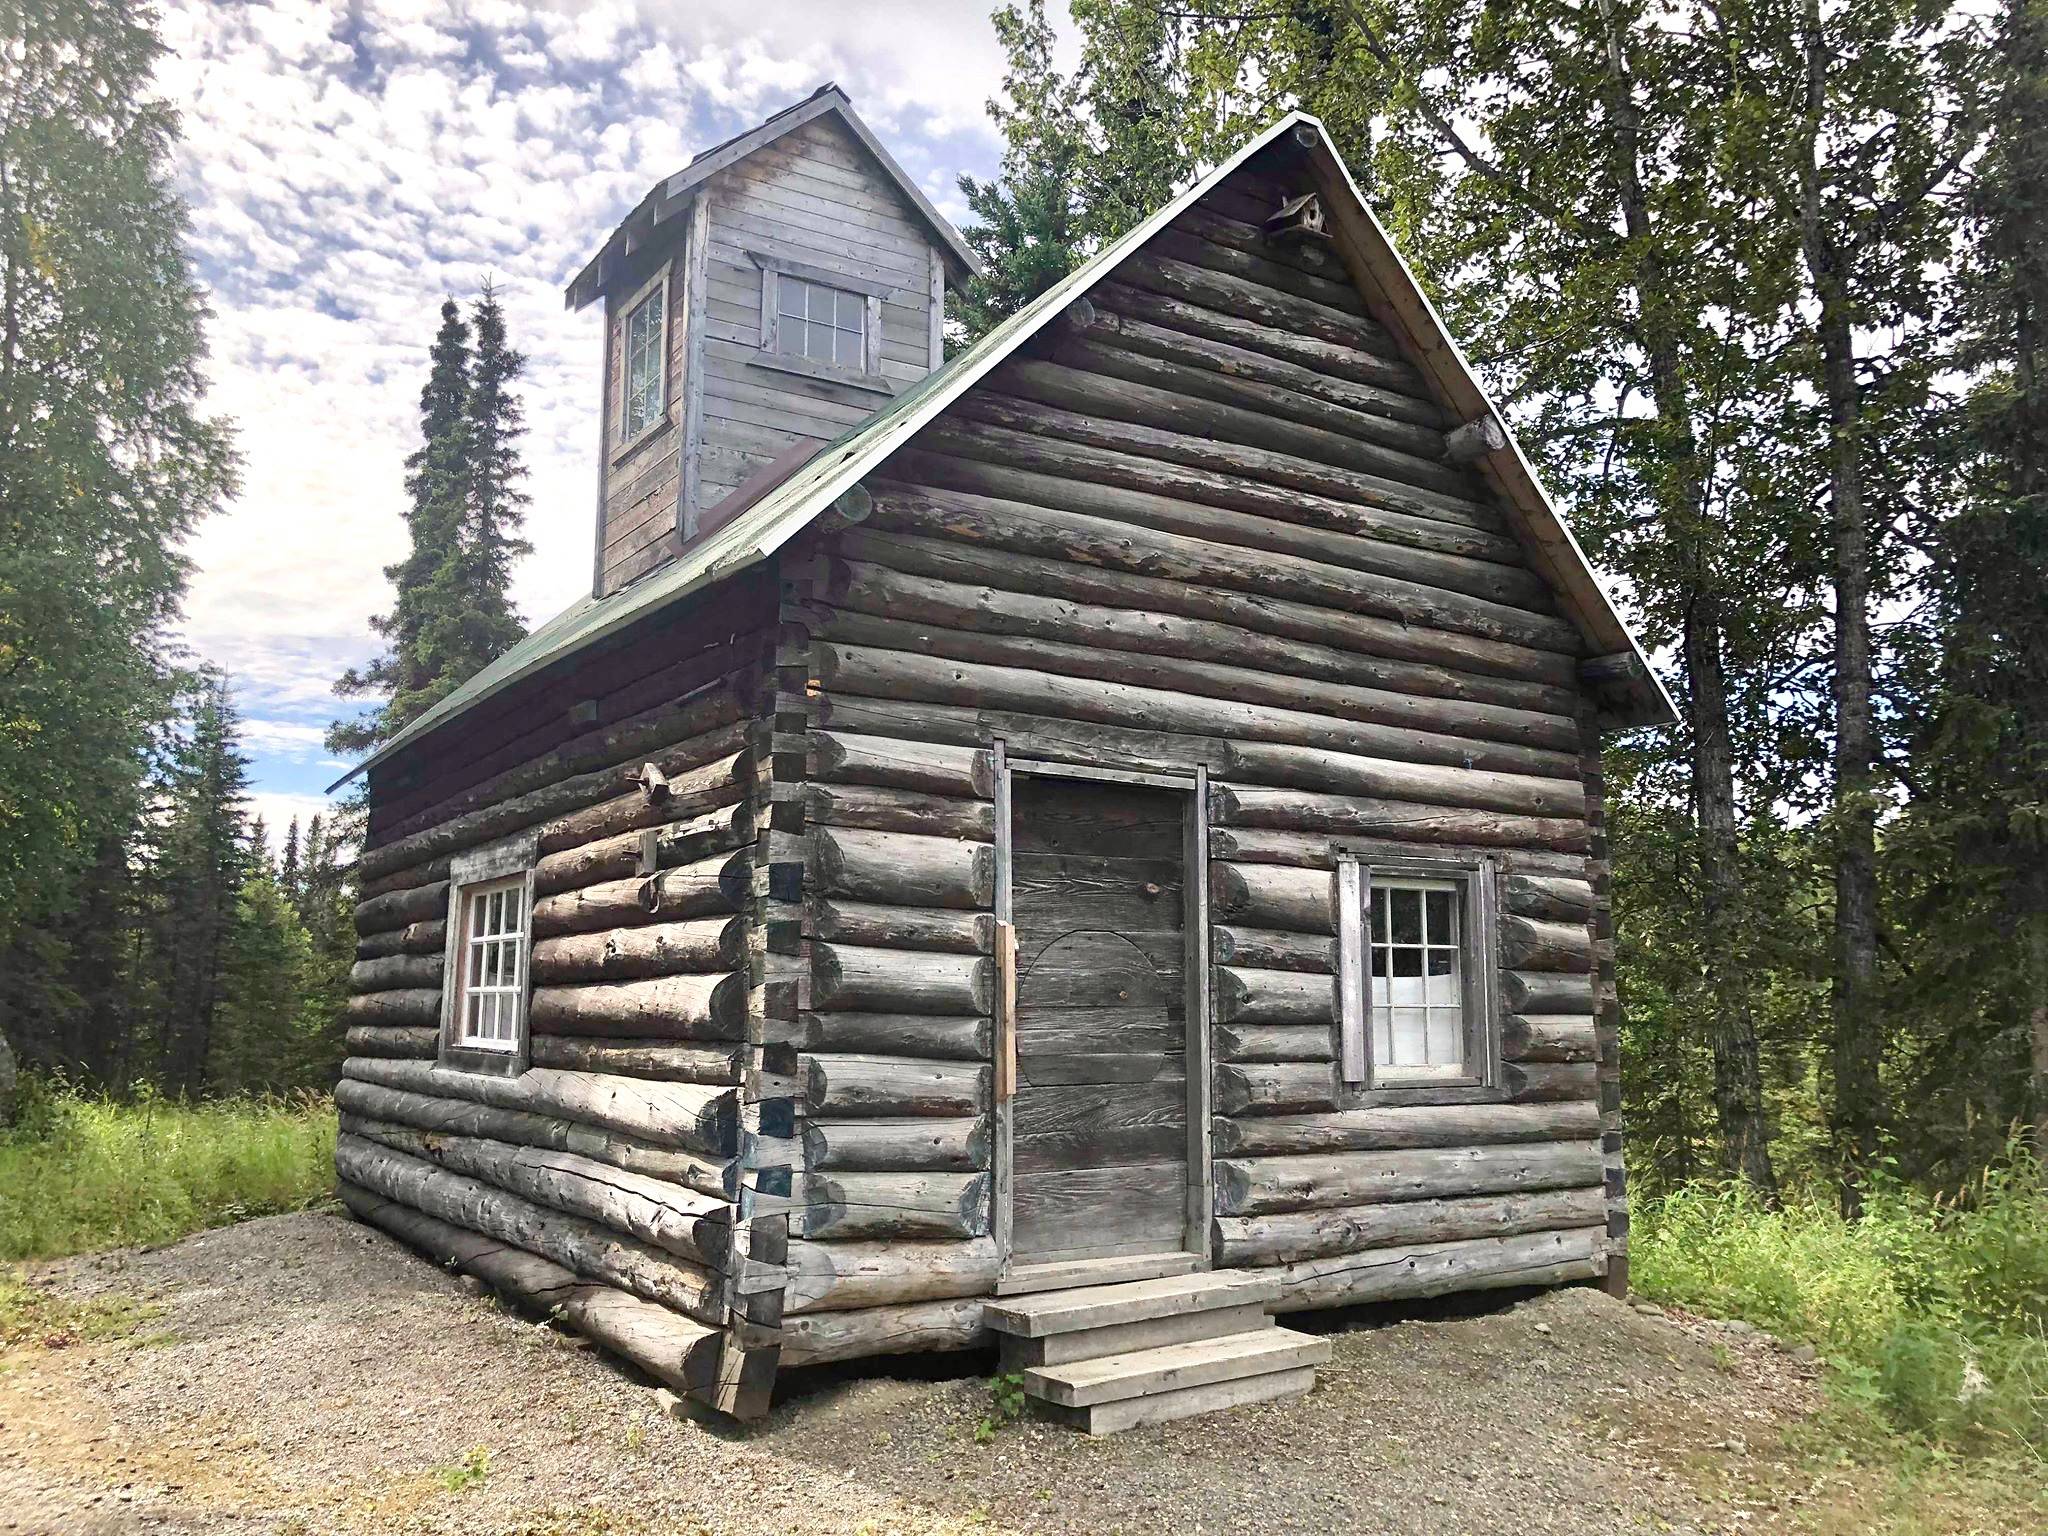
<point x="348" y="165"/>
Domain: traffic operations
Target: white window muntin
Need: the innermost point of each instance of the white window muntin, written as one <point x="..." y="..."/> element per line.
<point x="645" y="382"/>
<point x="490" y="1004"/>
<point x="820" y="322"/>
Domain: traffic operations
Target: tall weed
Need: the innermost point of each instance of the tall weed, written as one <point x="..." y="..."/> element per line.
<point x="1932" y="1309"/>
<point x="82" y="1173"/>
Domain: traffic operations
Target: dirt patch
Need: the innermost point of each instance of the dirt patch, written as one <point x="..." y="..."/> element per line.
<point x="304" y="1374"/>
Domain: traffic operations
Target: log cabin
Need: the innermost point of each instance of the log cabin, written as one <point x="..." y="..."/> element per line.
<point x="1090" y="843"/>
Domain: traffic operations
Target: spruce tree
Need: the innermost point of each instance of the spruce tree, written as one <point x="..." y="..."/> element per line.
<point x="288" y="874"/>
<point x="408" y="676"/>
<point x="203" y="859"/>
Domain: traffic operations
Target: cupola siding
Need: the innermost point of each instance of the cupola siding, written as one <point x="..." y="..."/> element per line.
<point x="952" y="861"/>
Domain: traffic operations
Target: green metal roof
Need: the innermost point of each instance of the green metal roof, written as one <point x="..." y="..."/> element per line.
<point x="789" y="507"/>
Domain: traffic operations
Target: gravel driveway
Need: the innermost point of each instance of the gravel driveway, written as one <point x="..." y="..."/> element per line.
<point x="305" y="1374"/>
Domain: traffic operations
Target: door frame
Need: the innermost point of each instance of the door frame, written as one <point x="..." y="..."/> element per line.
<point x="1194" y="784"/>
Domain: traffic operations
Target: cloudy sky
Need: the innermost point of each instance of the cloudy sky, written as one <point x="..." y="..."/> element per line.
<point x="348" y="164"/>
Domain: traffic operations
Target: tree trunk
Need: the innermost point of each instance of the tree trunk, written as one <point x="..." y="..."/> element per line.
<point x="1858" y="1044"/>
<point x="8" y="1082"/>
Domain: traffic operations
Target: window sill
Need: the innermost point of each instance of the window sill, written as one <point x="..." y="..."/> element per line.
<point x="483" y="1063"/>
<point x="1395" y="1095"/>
<point x="804" y="367"/>
<point x="642" y="438"/>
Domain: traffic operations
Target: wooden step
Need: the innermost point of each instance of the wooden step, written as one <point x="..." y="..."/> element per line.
<point x="1172" y="1368"/>
<point x="1121" y="1338"/>
<point x="1103" y="1306"/>
<point x="1066" y="1274"/>
<point x="1185" y="1402"/>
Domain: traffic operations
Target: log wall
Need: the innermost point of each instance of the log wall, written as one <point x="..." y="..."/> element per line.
<point x="604" y="1179"/>
<point x="1208" y="519"/>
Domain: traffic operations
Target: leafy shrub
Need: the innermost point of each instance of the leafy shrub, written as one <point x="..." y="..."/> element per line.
<point x="82" y="1173"/>
<point x="1932" y="1309"/>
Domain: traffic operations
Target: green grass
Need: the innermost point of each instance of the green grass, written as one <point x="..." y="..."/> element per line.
<point x="85" y="1173"/>
<point x="1932" y="1312"/>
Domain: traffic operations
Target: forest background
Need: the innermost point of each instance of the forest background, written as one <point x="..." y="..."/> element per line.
<point x="1762" y="288"/>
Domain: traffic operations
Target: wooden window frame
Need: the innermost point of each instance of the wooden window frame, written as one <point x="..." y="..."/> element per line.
<point x="654" y="290"/>
<point x="507" y="864"/>
<point x="774" y="267"/>
<point x="1367" y="1080"/>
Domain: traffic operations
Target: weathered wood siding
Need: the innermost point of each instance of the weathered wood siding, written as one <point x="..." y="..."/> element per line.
<point x="606" y="1177"/>
<point x="1206" y="521"/>
<point x="638" y="482"/>
<point x="814" y="197"/>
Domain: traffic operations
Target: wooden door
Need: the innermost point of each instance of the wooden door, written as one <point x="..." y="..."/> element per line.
<point x="1099" y="1124"/>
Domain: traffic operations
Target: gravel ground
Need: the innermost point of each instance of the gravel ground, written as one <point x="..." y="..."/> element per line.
<point x="305" y="1374"/>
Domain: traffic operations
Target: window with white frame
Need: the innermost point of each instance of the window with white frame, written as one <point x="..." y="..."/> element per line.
<point x="820" y="322"/>
<point x="645" y="378"/>
<point x="490" y="1000"/>
<point x="1415" y="989"/>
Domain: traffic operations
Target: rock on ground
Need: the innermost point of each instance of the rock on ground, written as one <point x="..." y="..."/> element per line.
<point x="305" y="1374"/>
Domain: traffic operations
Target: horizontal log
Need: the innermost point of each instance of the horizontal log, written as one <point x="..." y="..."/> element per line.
<point x="1295" y="1235"/>
<point x="682" y="791"/>
<point x="390" y="972"/>
<point x="585" y="769"/>
<point x="901" y="868"/>
<point x="1546" y="992"/>
<point x="892" y="1085"/>
<point x="404" y="879"/>
<point x="668" y="1347"/>
<point x="690" y="1115"/>
<point x="1244" y="996"/>
<point x="919" y="1144"/>
<point x="1354" y="816"/>
<point x="392" y="1040"/>
<point x="1338" y="363"/>
<point x="1276" y="1042"/>
<point x="721" y="884"/>
<point x="1290" y="765"/>
<point x="427" y="938"/>
<point x="581" y="1246"/>
<point x="458" y="1117"/>
<point x="1540" y="1082"/>
<point x="847" y="758"/>
<point x="887" y="927"/>
<point x="1548" y="1037"/>
<point x="840" y="1276"/>
<point x="1315" y="851"/>
<point x="1273" y="949"/>
<point x="1237" y="295"/>
<point x="419" y="1007"/>
<point x="1532" y="944"/>
<point x="660" y="949"/>
<point x="1274" y="896"/>
<point x="853" y="1207"/>
<point x="956" y="1038"/>
<point x="1436" y="1269"/>
<point x="669" y="1063"/>
<point x="1503" y="751"/>
<point x="688" y="841"/>
<point x="816" y="1338"/>
<point x="1556" y="898"/>
<point x="1047" y="531"/>
<point x="663" y="1007"/>
<point x="849" y="976"/>
<point x="1427" y="662"/>
<point x="1209" y="238"/>
<point x="1278" y="1088"/>
<point x="669" y="1216"/>
<point x="972" y="591"/>
<point x="1405" y="1126"/>
<point x="395" y="909"/>
<point x="898" y="810"/>
<point x="1255" y="1186"/>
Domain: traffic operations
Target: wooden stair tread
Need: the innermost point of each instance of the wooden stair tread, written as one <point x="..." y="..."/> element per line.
<point x="1175" y="1367"/>
<point x="1185" y="1402"/>
<point x="1097" y="1306"/>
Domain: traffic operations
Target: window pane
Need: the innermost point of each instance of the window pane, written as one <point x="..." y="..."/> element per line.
<point x="1410" y="1037"/>
<point x="1442" y="980"/>
<point x="514" y="896"/>
<point x="476" y="917"/>
<point x="1406" y="915"/>
<point x="643" y="365"/>
<point x="1446" y="1049"/>
<point x="1442" y="925"/>
<point x="789" y="296"/>
<point x="847" y="349"/>
<point x="1407" y="991"/>
<point x="1382" y="1037"/>
<point x="852" y="307"/>
<point x="1407" y="962"/>
<point x="1379" y="917"/>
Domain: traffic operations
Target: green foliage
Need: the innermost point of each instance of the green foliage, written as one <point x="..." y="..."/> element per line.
<point x="81" y="1173"/>
<point x="32" y="1316"/>
<point x="1005" y="1405"/>
<point x="106" y="463"/>
<point x="1932" y="1311"/>
<point x="470" y="1472"/>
